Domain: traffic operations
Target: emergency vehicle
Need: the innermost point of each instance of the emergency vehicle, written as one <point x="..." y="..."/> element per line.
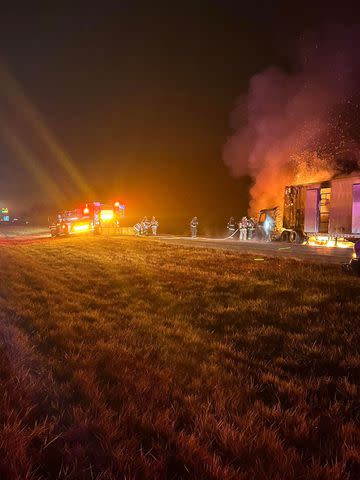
<point x="93" y="217"/>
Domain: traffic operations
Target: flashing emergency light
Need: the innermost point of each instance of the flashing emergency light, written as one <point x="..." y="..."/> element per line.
<point x="107" y="215"/>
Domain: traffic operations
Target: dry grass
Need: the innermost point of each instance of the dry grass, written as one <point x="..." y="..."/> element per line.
<point x="128" y="358"/>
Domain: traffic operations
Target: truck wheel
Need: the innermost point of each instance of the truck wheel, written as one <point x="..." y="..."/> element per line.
<point x="293" y="237"/>
<point x="284" y="236"/>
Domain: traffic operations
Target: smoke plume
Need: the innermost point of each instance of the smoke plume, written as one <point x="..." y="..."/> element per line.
<point x="301" y="126"/>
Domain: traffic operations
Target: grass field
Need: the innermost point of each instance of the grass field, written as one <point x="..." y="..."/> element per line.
<point x="128" y="358"/>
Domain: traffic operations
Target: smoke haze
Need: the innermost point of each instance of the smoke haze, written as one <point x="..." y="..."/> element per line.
<point x="301" y="126"/>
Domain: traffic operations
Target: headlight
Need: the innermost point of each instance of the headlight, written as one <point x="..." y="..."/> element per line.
<point x="354" y="255"/>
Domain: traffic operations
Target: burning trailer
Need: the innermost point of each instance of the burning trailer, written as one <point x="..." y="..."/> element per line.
<point x="322" y="213"/>
<point x="93" y="217"/>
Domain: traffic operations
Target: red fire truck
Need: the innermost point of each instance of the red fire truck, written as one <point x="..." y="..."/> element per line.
<point x="92" y="217"/>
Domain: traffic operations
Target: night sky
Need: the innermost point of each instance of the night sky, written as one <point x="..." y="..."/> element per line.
<point x="139" y="96"/>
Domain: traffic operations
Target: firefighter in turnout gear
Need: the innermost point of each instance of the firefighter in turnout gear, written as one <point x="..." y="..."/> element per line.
<point x="137" y="228"/>
<point x="145" y="224"/>
<point x="154" y="226"/>
<point x="194" y="226"/>
<point x="268" y="227"/>
<point x="243" y="229"/>
<point x="231" y="226"/>
<point x="250" y="228"/>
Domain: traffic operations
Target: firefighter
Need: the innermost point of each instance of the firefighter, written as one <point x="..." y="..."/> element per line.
<point x="145" y="224"/>
<point x="137" y="229"/>
<point x="242" y="229"/>
<point x="231" y="226"/>
<point x="194" y="226"/>
<point x="154" y="226"/>
<point x="268" y="227"/>
<point x="250" y="227"/>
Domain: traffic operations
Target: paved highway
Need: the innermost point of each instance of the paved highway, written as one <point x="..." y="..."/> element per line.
<point x="24" y="234"/>
<point x="259" y="249"/>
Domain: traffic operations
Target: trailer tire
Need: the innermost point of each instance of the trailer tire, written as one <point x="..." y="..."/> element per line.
<point x="293" y="237"/>
<point x="284" y="236"/>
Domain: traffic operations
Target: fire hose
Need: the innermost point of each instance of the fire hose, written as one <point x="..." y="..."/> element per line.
<point x="226" y="238"/>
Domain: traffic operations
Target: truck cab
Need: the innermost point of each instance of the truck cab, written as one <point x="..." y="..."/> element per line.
<point x="70" y="222"/>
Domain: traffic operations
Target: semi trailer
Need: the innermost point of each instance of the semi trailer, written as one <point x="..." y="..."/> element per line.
<point x="325" y="212"/>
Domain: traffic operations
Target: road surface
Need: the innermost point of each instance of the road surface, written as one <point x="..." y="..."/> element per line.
<point x="22" y="234"/>
<point x="25" y="234"/>
<point x="263" y="249"/>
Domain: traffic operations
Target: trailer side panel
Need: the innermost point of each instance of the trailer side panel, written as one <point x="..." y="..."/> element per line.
<point x="311" y="210"/>
<point x="356" y="208"/>
<point x="341" y="206"/>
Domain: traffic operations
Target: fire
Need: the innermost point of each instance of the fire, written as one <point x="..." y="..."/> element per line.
<point x="324" y="241"/>
<point x="308" y="175"/>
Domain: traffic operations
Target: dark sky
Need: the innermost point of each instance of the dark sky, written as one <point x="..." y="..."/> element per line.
<point x="139" y="95"/>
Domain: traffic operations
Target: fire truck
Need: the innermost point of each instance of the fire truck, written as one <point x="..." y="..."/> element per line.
<point x="322" y="213"/>
<point x="92" y="217"/>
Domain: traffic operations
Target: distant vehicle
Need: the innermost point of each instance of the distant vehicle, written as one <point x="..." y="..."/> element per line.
<point x="323" y="213"/>
<point x="91" y="218"/>
<point x="4" y="216"/>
